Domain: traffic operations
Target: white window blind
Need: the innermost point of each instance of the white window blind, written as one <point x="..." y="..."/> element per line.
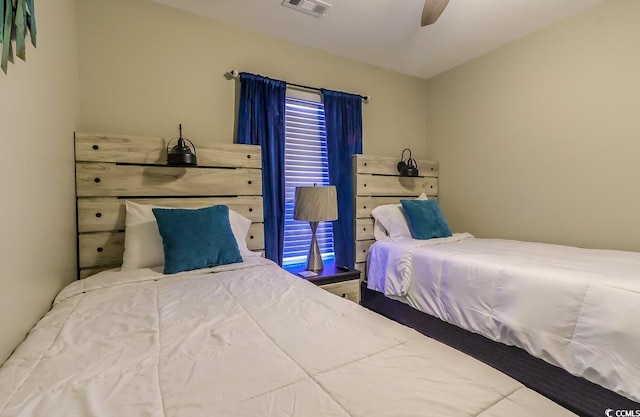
<point x="306" y="164"/>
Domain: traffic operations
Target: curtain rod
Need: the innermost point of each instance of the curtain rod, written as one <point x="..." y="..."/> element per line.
<point x="235" y="74"/>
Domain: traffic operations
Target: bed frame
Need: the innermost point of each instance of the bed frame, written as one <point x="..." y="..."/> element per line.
<point x="376" y="182"/>
<point x="113" y="168"/>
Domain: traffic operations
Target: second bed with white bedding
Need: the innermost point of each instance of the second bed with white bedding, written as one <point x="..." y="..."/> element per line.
<point x="246" y="339"/>
<point x="575" y="308"/>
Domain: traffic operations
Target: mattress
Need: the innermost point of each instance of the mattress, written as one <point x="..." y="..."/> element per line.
<point x="574" y="308"/>
<point x="243" y="340"/>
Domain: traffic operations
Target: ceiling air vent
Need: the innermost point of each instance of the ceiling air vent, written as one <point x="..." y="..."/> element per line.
<point x="315" y="8"/>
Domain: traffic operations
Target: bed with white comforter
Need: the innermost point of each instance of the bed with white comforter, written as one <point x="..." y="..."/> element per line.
<point x="247" y="339"/>
<point x="575" y="308"/>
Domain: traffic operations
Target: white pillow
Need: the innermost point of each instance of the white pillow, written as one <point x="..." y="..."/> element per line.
<point x="143" y="243"/>
<point x="391" y="217"/>
<point x="379" y="232"/>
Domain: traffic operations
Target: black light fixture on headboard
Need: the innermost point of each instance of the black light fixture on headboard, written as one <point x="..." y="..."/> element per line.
<point x="407" y="167"/>
<point x="181" y="155"/>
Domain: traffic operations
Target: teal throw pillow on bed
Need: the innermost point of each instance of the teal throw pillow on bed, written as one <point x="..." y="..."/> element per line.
<point x="426" y="220"/>
<point x="194" y="239"/>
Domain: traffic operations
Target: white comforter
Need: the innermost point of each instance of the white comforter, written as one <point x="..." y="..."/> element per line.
<point x="249" y="340"/>
<point x="575" y="308"/>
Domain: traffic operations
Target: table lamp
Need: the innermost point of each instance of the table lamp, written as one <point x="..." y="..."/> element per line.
<point x="315" y="204"/>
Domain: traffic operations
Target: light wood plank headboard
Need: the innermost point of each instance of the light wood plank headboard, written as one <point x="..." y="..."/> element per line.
<point x="376" y="182"/>
<point x="112" y="168"/>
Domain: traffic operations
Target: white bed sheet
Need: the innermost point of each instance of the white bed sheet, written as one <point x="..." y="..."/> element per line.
<point x="575" y="308"/>
<point x="247" y="340"/>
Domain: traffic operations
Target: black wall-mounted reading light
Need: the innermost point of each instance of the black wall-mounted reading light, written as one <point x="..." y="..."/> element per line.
<point x="407" y="167"/>
<point x="181" y="155"/>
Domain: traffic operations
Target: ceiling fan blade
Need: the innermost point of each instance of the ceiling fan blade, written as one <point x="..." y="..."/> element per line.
<point x="432" y="11"/>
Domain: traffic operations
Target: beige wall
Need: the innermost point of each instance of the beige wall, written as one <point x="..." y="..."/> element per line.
<point x="540" y="140"/>
<point x="38" y="101"/>
<point x="145" y="67"/>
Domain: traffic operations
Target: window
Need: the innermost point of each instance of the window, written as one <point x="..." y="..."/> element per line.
<point x="306" y="163"/>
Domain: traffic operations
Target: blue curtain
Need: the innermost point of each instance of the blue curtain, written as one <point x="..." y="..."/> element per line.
<point x="261" y="122"/>
<point x="343" y="118"/>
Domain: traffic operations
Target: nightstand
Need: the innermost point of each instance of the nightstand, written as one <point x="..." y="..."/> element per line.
<point x="343" y="283"/>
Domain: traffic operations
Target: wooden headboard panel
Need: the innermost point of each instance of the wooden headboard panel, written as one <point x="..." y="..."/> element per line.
<point x="111" y="169"/>
<point x="376" y="182"/>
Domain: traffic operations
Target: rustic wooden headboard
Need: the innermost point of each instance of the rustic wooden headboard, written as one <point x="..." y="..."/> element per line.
<point x="112" y="168"/>
<point x="376" y="182"/>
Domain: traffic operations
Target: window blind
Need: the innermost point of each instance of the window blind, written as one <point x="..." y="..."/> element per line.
<point x="306" y="164"/>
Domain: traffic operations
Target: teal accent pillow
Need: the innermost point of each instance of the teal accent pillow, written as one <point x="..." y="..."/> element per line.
<point x="426" y="220"/>
<point x="194" y="239"/>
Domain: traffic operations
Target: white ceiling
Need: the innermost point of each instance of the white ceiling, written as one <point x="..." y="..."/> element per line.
<point x="387" y="33"/>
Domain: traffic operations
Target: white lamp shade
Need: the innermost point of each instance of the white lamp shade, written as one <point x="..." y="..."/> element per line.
<point x="316" y="204"/>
